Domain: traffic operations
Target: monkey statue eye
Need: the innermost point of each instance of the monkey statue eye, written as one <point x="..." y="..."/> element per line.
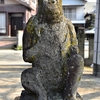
<point x="54" y="1"/>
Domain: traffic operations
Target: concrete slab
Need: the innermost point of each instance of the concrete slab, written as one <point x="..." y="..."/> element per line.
<point x="12" y="57"/>
<point x="11" y="67"/>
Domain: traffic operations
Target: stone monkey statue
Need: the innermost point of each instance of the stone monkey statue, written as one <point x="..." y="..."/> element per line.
<point x="50" y="44"/>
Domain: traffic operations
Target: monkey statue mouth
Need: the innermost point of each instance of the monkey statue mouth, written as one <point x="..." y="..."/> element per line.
<point x="53" y="9"/>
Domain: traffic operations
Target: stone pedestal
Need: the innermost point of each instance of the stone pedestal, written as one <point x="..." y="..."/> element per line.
<point x="26" y="96"/>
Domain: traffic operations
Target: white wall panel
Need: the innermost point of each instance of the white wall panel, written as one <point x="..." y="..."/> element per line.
<point x="2" y="22"/>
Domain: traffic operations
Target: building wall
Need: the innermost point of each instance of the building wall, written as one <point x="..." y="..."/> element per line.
<point x="12" y="9"/>
<point x="79" y="6"/>
<point x="97" y="36"/>
<point x="96" y="57"/>
<point x="89" y="7"/>
<point x="79" y="12"/>
<point x="28" y="15"/>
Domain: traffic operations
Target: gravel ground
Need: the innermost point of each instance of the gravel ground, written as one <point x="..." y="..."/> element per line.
<point x="89" y="87"/>
<point x="12" y="65"/>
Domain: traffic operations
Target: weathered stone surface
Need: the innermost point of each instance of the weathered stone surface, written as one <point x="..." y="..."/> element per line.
<point x="26" y="96"/>
<point x="50" y="44"/>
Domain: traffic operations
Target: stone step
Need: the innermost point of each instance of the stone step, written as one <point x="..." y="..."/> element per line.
<point x="7" y="42"/>
<point x="8" y="39"/>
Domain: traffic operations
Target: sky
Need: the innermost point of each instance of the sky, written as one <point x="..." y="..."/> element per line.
<point x="92" y="0"/>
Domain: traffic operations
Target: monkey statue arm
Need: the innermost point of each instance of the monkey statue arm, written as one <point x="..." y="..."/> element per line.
<point x="28" y="39"/>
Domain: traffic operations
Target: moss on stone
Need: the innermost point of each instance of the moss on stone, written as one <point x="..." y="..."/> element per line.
<point x="33" y="58"/>
<point x="79" y="78"/>
<point x="30" y="27"/>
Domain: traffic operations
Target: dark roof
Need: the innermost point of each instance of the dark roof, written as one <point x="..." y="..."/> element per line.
<point x="84" y="0"/>
<point x="86" y="15"/>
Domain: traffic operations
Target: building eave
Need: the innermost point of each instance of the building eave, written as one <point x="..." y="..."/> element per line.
<point x="92" y="31"/>
<point x="84" y="0"/>
<point x="78" y="21"/>
<point x="26" y="4"/>
<point x="78" y="3"/>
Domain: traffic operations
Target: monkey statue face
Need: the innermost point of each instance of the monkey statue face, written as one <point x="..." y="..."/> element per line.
<point x="50" y="9"/>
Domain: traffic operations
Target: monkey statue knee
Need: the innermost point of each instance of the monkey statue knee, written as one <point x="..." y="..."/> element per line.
<point x="75" y="65"/>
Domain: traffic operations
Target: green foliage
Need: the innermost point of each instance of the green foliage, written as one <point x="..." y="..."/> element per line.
<point x="15" y="47"/>
<point x="90" y="22"/>
<point x="18" y="48"/>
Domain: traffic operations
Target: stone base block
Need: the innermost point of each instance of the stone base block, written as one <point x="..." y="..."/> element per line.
<point x="79" y="97"/>
<point x="26" y="96"/>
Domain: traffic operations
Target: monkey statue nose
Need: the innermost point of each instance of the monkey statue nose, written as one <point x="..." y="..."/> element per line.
<point x="53" y="1"/>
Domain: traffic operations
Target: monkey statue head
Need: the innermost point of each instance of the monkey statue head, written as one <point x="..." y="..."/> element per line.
<point x="50" y="10"/>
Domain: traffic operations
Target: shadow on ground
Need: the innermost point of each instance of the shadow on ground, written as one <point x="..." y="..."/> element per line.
<point x="10" y="84"/>
<point x="89" y="87"/>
